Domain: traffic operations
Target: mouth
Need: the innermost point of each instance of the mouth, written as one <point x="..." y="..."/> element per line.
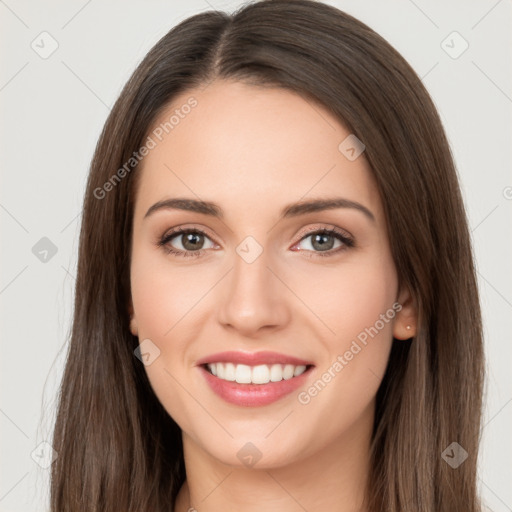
<point x="260" y="374"/>
<point x="251" y="380"/>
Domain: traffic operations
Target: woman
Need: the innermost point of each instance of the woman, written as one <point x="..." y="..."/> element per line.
<point x="276" y="304"/>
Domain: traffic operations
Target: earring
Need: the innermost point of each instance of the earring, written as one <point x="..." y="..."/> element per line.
<point x="408" y="327"/>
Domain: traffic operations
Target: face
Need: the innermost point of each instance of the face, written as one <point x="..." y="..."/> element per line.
<point x="303" y="302"/>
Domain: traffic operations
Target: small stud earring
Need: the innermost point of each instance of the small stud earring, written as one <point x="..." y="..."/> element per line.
<point x="408" y="327"/>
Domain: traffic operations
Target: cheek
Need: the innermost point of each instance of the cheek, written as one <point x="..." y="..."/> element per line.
<point x="357" y="305"/>
<point x="166" y="299"/>
<point x="163" y="292"/>
<point x="349" y="297"/>
<point x="367" y="327"/>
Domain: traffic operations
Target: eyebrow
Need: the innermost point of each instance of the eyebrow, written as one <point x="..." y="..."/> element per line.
<point x="291" y="210"/>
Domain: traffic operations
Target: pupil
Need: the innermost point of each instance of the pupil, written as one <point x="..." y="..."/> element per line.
<point x="192" y="240"/>
<point x="320" y="239"/>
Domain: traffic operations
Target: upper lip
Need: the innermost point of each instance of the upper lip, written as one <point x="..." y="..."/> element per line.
<point x="252" y="358"/>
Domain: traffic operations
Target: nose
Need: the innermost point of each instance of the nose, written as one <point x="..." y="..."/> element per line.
<point x="253" y="297"/>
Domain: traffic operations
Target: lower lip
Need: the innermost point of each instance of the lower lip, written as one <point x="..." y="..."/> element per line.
<point x="253" y="395"/>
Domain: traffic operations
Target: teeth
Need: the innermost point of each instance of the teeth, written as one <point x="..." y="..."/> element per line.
<point x="243" y="374"/>
<point x="288" y="371"/>
<point x="276" y="373"/>
<point x="261" y="374"/>
<point x="298" y="370"/>
<point x="229" y="372"/>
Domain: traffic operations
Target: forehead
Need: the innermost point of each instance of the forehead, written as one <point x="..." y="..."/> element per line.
<point x="250" y="149"/>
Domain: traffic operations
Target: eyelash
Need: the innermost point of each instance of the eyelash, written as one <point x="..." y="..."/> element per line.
<point x="347" y="241"/>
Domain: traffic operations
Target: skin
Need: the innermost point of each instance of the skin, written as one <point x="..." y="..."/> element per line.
<point x="253" y="150"/>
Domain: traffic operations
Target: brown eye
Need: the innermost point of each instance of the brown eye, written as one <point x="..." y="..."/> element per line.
<point x="192" y="241"/>
<point x="185" y="242"/>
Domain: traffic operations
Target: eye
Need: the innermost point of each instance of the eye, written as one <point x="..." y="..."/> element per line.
<point x="323" y="242"/>
<point x="190" y="242"/>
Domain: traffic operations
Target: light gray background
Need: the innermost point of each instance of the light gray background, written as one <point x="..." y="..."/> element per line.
<point x="52" y="111"/>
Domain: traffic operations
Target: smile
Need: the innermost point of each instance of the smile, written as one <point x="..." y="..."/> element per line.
<point x="254" y="379"/>
<point x="261" y="374"/>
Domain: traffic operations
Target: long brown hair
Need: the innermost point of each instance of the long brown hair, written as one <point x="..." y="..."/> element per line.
<point x="118" y="448"/>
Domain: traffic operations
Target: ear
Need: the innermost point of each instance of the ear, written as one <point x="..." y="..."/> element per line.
<point x="133" y="321"/>
<point x="406" y="320"/>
